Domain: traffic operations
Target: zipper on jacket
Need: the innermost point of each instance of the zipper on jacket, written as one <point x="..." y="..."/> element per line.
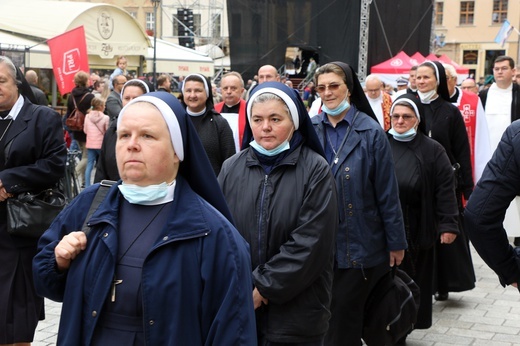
<point x="264" y="187"/>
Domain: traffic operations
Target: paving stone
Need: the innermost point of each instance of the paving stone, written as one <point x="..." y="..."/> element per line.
<point x="488" y="315"/>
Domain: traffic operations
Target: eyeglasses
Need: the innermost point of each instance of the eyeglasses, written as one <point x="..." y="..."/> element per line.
<point x="332" y="87"/>
<point x="405" y="117"/>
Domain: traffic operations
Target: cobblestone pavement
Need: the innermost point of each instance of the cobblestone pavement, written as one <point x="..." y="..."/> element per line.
<point x="487" y="315"/>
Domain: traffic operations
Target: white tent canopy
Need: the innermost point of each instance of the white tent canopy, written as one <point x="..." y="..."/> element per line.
<point x="181" y="61"/>
<point x="109" y="31"/>
<point x="212" y="50"/>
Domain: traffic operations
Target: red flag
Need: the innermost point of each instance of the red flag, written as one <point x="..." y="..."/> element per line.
<point x="68" y="55"/>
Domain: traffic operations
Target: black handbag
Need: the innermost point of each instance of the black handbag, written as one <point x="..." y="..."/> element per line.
<point x="391" y="309"/>
<point x="30" y="215"/>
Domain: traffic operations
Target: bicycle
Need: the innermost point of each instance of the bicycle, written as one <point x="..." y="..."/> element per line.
<point x="71" y="187"/>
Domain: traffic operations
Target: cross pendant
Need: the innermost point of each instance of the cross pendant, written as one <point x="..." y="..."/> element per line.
<point x="114" y="283"/>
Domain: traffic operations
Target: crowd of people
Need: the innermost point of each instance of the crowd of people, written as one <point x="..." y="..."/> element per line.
<point x="255" y="213"/>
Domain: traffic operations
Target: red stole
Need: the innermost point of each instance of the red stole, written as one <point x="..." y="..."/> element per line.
<point x="468" y="108"/>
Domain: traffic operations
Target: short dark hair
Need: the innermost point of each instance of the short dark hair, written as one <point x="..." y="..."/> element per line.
<point x="505" y="58"/>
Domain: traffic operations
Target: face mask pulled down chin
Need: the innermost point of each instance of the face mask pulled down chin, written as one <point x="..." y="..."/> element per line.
<point x="405" y="136"/>
<point x="272" y="152"/>
<point x="428" y="96"/>
<point x="143" y="194"/>
<point x="279" y="149"/>
<point x="338" y="110"/>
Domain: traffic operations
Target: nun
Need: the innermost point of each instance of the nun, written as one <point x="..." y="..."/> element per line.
<point x="427" y="195"/>
<point x="444" y="123"/>
<point x="214" y="131"/>
<point x="371" y="235"/>
<point x="162" y="263"/>
<point x="282" y="196"/>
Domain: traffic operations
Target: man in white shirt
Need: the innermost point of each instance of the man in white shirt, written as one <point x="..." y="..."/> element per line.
<point x="502" y="106"/>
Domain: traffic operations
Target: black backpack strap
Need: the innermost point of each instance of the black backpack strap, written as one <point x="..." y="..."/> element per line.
<point x="104" y="186"/>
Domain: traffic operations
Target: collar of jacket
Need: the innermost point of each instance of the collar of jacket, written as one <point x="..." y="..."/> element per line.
<point x="187" y="207"/>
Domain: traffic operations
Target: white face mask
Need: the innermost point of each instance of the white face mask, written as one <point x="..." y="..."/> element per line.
<point x="428" y="96"/>
<point x="143" y="194"/>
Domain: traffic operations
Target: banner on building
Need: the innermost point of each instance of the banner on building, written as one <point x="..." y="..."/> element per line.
<point x="69" y="56"/>
<point x="503" y="33"/>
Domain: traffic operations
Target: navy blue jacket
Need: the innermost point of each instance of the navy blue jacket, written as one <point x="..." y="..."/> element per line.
<point x="196" y="279"/>
<point x="486" y="208"/>
<point x="371" y="221"/>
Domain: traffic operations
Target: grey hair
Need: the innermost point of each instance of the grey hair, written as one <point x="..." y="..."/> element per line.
<point x="266" y="97"/>
<point x="10" y="67"/>
<point x="373" y="77"/>
<point x="450" y="69"/>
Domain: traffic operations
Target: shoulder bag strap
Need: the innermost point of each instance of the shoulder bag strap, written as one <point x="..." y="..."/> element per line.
<point x="104" y="186"/>
<point x="81" y="100"/>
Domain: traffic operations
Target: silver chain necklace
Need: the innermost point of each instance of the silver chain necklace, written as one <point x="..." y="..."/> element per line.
<point x="6" y="129"/>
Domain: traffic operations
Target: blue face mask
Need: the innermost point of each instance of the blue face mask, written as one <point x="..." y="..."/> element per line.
<point x="405" y="136"/>
<point x="338" y="110"/>
<point x="273" y="152"/>
<point x="143" y="194"/>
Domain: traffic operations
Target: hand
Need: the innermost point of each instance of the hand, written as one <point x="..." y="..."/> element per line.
<point x="396" y="257"/>
<point x="3" y="193"/>
<point x="69" y="248"/>
<point x="448" y="238"/>
<point x="258" y="299"/>
<point x="515" y="284"/>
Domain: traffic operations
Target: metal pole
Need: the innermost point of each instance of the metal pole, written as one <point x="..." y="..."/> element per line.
<point x="155" y="5"/>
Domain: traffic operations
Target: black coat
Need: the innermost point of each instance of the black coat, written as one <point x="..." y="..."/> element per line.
<point x="486" y="209"/>
<point x="106" y="167"/>
<point x="445" y="124"/>
<point x="289" y="218"/>
<point x="216" y="137"/>
<point x="439" y="211"/>
<point x="515" y="104"/>
<point x="36" y="152"/>
<point x="40" y="96"/>
<point x="83" y="105"/>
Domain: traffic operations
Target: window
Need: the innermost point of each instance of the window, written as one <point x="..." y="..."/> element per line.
<point x="467" y="12"/>
<point x="470" y="57"/>
<point x="175" y="25"/>
<point x="216" y="26"/>
<point x="150" y="20"/>
<point x="499" y="11"/>
<point x="439" y="13"/>
<point x="196" y="24"/>
<point x="133" y="14"/>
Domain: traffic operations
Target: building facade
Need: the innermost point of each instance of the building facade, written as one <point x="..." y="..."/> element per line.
<point x="466" y="32"/>
<point x="189" y="23"/>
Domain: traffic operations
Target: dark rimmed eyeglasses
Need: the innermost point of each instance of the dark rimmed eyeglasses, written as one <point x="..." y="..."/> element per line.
<point x="332" y="87"/>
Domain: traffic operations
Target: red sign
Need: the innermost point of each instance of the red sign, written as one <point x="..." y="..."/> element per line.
<point x="68" y="55"/>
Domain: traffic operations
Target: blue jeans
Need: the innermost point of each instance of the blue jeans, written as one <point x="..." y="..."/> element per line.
<point x="92" y="155"/>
